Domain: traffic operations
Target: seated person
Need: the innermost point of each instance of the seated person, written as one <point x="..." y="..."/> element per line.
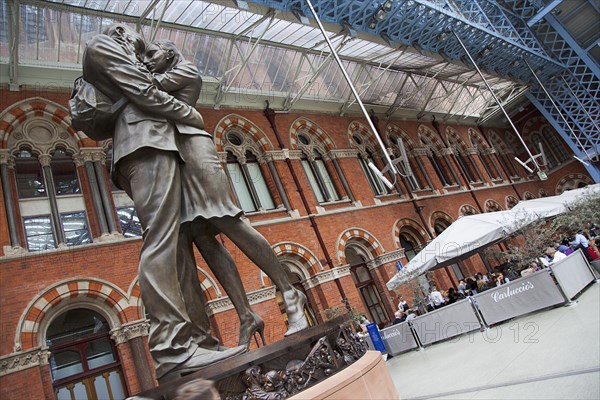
<point x="564" y="247"/>
<point x="436" y="298"/>
<point x="553" y="255"/>
<point x="452" y="296"/>
<point x="411" y="314"/>
<point x="400" y="317"/>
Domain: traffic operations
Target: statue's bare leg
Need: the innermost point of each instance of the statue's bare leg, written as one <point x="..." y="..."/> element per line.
<point x="223" y="267"/>
<point x="258" y="250"/>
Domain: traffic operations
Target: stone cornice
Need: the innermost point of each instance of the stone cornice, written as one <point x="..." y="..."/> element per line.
<point x="326" y="276"/>
<point x="343" y="153"/>
<point x="277" y="155"/>
<point x="126" y="332"/>
<point x="19" y="361"/>
<point x="446" y="151"/>
<point x="224" y="303"/>
<point x="419" y="151"/>
<point x="7" y="158"/>
<point x="295" y="154"/>
<point x="471" y="151"/>
<point x="386" y="258"/>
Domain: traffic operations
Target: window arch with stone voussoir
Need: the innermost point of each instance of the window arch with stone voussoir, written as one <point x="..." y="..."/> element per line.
<point x="464" y="156"/>
<point x="315" y="148"/>
<point x="243" y="147"/>
<point x="505" y="152"/>
<point x="362" y="139"/>
<point x="44" y="150"/>
<point x="437" y="154"/>
<point x="300" y="265"/>
<point x="485" y="154"/>
<point x="411" y="168"/>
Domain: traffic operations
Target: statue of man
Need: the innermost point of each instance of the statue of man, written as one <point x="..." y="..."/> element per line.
<point x="146" y="165"/>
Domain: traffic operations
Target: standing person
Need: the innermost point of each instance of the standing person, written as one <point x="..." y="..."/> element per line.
<point x="436" y="298"/>
<point x="146" y="166"/>
<point x="581" y="242"/>
<point x="207" y="207"/>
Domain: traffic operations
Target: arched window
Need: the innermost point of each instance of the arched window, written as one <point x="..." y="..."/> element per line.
<point x="553" y="150"/>
<point x="410" y="167"/>
<point x="376" y="184"/>
<point x="64" y="173"/>
<point x="485" y="154"/>
<point x="439" y="163"/>
<point x="45" y="226"/>
<point x="464" y="159"/>
<point x="83" y="359"/>
<point x="30" y="178"/>
<point x="248" y="183"/>
<point x="505" y="154"/>
<point x="363" y="280"/>
<point x="318" y="177"/>
<point x="245" y="174"/>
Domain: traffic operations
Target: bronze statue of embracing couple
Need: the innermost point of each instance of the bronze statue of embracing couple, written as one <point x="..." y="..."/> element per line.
<point x="167" y="163"/>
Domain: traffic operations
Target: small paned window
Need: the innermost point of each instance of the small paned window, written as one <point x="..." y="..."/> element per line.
<point x="129" y="221"/>
<point x="39" y="233"/>
<point x="30" y="178"/>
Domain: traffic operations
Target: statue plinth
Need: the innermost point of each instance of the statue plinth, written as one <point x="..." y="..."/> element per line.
<point x="279" y="370"/>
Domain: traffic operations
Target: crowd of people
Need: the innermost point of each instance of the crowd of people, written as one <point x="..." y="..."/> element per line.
<point x="585" y="241"/>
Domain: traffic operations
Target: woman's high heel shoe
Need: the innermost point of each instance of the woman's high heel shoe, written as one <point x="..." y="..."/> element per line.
<point x="294" y="306"/>
<point x="249" y="328"/>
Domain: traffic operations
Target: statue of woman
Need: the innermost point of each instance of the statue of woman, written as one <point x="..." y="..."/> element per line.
<point x="207" y="209"/>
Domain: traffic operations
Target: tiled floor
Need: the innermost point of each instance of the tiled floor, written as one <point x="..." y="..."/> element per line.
<point x="553" y="354"/>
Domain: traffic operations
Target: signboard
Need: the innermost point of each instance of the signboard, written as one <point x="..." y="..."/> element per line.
<point x="446" y="322"/>
<point x="573" y="273"/>
<point x="375" y="337"/>
<point x="399" y="265"/>
<point x="521" y="296"/>
<point x="398" y="338"/>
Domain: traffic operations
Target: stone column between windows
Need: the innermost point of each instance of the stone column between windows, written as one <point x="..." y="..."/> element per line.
<point x="133" y="334"/>
<point x="446" y="154"/>
<point x="430" y="169"/>
<point x="417" y="154"/>
<point x="277" y="179"/>
<point x="99" y="161"/>
<point x="248" y="177"/>
<point x="477" y="164"/>
<point x="85" y="158"/>
<point x="8" y="162"/>
<point x="492" y="156"/>
<point x="55" y="215"/>
<point x="334" y="159"/>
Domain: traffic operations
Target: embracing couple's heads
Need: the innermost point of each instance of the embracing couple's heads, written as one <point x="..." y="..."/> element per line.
<point x="158" y="56"/>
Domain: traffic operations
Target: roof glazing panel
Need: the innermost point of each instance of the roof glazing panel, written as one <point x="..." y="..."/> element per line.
<point x="288" y="59"/>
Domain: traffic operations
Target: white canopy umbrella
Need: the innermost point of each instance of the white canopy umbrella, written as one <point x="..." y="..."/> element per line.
<point x="550" y="206"/>
<point x="469" y="234"/>
<point x="464" y="237"/>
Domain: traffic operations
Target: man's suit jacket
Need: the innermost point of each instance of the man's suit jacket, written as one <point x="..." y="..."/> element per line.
<point x="144" y="122"/>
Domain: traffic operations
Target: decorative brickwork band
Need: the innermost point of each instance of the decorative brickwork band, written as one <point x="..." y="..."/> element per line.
<point x="244" y="126"/>
<point x="103" y="292"/>
<point x="375" y="247"/>
<point x="303" y="124"/>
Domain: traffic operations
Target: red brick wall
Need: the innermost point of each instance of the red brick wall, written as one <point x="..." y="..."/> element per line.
<point x="23" y="279"/>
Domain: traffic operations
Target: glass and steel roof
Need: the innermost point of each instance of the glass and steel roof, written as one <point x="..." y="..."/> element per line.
<point x="246" y="56"/>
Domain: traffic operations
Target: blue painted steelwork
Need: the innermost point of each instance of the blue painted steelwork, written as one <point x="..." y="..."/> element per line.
<point x="498" y="34"/>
